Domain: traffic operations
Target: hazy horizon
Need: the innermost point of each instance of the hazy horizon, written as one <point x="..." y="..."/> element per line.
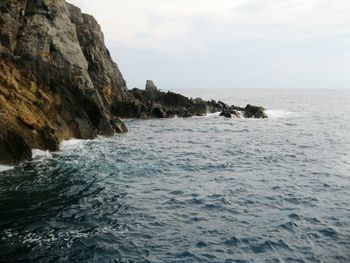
<point x="289" y="44"/>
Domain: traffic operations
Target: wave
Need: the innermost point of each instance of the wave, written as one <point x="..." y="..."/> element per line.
<point x="215" y="114"/>
<point x="39" y="154"/>
<point x="71" y="144"/>
<point x="279" y="114"/>
<point x="4" y="168"/>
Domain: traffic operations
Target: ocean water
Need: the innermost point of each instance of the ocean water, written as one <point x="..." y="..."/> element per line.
<point x="203" y="189"/>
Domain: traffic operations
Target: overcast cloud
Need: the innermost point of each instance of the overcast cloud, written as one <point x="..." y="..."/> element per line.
<point x="228" y="43"/>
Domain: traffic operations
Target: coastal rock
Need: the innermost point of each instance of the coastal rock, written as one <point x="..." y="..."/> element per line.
<point x="226" y="113"/>
<point x="13" y="148"/>
<point x="230" y="111"/>
<point x="150" y="86"/>
<point x="254" y="112"/>
<point x="153" y="103"/>
<point x="103" y="72"/>
<point x="58" y="81"/>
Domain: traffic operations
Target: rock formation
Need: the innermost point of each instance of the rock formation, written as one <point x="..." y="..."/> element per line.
<point x="58" y="81"/>
<point x="251" y="111"/>
<point x="248" y="112"/>
<point x="153" y="103"/>
<point x="150" y="86"/>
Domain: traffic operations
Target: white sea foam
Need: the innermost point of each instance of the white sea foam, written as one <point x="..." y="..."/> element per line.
<point x="71" y="143"/>
<point x="278" y="114"/>
<point x="215" y="114"/>
<point x="39" y="154"/>
<point x="4" y="168"/>
<point x="240" y="115"/>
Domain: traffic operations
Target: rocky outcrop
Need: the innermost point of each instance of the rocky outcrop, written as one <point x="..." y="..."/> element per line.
<point x="248" y="112"/>
<point x="58" y="81"/>
<point x="229" y="113"/>
<point x="13" y="148"/>
<point x="251" y="111"/>
<point x="57" y="78"/>
<point x="150" y="86"/>
<point x="153" y="103"/>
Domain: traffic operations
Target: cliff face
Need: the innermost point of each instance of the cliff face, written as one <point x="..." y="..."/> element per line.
<point x="57" y="81"/>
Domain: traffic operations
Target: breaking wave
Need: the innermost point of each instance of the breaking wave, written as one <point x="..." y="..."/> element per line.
<point x="4" y="168"/>
<point x="279" y="114"/>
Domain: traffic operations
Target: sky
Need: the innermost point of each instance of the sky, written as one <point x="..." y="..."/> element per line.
<point x="211" y="44"/>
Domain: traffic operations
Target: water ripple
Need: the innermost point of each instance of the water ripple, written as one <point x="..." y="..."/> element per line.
<point x="187" y="190"/>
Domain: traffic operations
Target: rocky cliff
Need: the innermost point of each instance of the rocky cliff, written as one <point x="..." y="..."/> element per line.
<point x="57" y="77"/>
<point x="58" y="81"/>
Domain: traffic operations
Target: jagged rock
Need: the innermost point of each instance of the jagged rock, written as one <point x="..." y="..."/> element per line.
<point x="150" y="86"/>
<point x="231" y="111"/>
<point x="158" y="104"/>
<point x="254" y="112"/>
<point x="56" y="72"/>
<point x="223" y="105"/>
<point x="103" y="72"/>
<point x="13" y="148"/>
<point x="158" y="112"/>
<point x="226" y="113"/>
<point x="119" y="126"/>
<point x="49" y="138"/>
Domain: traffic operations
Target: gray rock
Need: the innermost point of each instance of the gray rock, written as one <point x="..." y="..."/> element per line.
<point x="150" y="86"/>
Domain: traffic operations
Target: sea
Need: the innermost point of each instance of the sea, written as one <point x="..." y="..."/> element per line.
<point x="200" y="189"/>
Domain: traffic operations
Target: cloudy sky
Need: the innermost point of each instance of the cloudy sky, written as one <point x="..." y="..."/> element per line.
<point x="228" y="43"/>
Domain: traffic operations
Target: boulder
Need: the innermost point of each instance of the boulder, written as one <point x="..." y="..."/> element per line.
<point x="226" y="113"/>
<point x="257" y="112"/>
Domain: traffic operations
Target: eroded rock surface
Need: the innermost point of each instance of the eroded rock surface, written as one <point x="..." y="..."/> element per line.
<point x="57" y="80"/>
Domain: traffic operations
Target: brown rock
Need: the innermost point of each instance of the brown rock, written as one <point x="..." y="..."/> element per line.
<point x="57" y="78"/>
<point x="13" y="148"/>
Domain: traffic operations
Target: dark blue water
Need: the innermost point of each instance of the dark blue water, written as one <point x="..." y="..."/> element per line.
<point x="204" y="189"/>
